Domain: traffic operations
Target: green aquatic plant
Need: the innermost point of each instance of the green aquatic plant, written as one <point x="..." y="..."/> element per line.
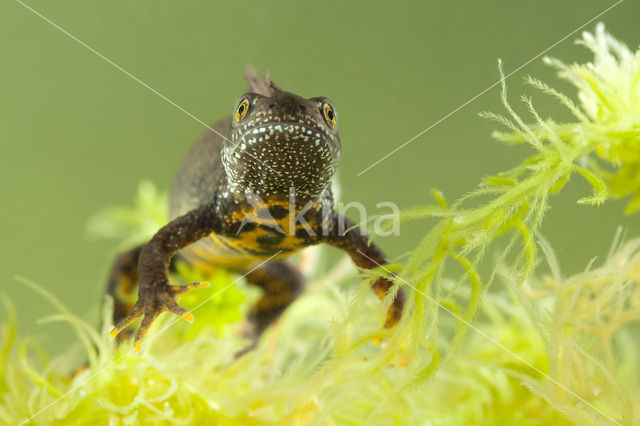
<point x="543" y="349"/>
<point x="589" y="345"/>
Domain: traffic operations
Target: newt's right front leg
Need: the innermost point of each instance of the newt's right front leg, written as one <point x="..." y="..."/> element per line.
<point x="155" y="294"/>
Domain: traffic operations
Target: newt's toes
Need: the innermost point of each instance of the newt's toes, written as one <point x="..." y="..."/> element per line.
<point x="148" y="319"/>
<point x="153" y="303"/>
<point x="136" y="311"/>
<point x="176" y="309"/>
<point x="179" y="290"/>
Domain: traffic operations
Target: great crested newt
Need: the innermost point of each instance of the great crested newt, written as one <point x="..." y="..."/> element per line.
<point x="256" y="186"/>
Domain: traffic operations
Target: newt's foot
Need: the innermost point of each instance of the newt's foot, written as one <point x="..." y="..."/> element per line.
<point x="394" y="313"/>
<point x="152" y="301"/>
<point x="251" y="332"/>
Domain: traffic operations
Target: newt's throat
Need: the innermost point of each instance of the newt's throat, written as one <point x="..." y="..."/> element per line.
<point x="271" y="159"/>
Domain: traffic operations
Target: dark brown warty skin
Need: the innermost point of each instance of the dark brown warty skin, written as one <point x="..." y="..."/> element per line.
<point x="255" y="187"/>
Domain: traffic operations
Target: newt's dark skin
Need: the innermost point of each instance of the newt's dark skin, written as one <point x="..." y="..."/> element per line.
<point x="257" y="188"/>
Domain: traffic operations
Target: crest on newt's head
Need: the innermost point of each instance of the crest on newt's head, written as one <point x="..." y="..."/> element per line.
<point x="261" y="85"/>
<point x="280" y="140"/>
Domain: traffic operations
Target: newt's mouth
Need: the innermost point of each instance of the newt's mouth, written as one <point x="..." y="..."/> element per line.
<point x="299" y="137"/>
<point x="287" y="131"/>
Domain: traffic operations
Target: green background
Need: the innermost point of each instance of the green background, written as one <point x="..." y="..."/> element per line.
<point x="78" y="135"/>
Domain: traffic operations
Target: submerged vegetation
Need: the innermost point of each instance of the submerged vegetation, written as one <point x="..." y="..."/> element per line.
<point x="511" y="346"/>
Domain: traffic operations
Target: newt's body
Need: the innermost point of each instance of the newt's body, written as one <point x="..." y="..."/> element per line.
<point x="255" y="188"/>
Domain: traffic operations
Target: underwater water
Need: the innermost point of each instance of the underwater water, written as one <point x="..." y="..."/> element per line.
<point x="79" y="135"/>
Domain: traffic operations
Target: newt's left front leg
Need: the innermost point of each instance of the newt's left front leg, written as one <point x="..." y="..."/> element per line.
<point x="345" y="235"/>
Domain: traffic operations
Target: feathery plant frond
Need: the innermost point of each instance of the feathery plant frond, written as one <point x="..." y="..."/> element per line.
<point x="608" y="129"/>
<point x="590" y="348"/>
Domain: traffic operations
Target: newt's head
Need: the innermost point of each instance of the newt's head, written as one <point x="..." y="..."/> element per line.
<point x="280" y="141"/>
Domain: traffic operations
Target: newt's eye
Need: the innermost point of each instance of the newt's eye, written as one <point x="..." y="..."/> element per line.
<point x="242" y="109"/>
<point x="329" y="115"/>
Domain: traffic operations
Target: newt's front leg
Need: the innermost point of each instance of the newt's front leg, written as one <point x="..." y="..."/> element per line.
<point x="345" y="235"/>
<point x="155" y="294"/>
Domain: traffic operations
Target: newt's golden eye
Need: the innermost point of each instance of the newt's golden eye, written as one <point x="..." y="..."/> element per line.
<point x="329" y="115"/>
<point x="242" y="109"/>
